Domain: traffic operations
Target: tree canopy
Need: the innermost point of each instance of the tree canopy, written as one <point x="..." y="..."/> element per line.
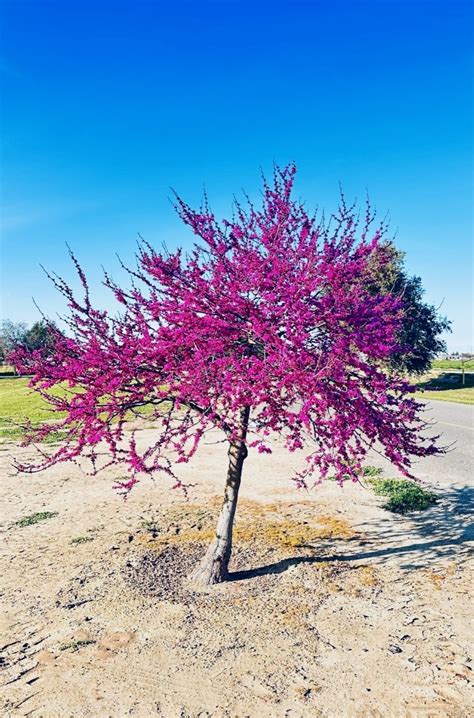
<point x="419" y="336"/>
<point x="38" y="338"/>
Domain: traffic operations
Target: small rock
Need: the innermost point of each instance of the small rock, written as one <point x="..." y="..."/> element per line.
<point x="394" y="649"/>
<point x="114" y="547"/>
<point x="134" y="563"/>
<point x="460" y="670"/>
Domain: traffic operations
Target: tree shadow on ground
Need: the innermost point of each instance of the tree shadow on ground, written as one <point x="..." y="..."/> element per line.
<point x="447" y="381"/>
<point x="418" y="540"/>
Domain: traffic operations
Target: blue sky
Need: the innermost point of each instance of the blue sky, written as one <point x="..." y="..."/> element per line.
<point x="107" y="104"/>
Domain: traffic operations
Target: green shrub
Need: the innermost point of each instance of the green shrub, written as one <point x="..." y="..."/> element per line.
<point x="404" y="495"/>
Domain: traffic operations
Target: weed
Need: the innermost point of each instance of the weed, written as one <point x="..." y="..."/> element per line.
<point x="371" y="472"/>
<point x="403" y="495"/>
<point x="150" y="525"/>
<point x="35" y="518"/>
<point x="81" y="539"/>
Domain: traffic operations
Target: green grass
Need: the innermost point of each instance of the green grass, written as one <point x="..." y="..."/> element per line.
<point x="459" y="396"/>
<point x="403" y="495"/>
<point x="35" y="518"/>
<point x="453" y="364"/>
<point x="447" y="386"/>
<point x="17" y="402"/>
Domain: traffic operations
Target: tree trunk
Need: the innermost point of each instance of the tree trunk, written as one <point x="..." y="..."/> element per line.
<point x="213" y="568"/>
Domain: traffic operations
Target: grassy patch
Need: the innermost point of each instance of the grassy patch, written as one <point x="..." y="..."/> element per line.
<point x="81" y="539"/>
<point x="403" y="495"/>
<point x="17" y="402"/>
<point x="10" y="432"/>
<point x="453" y="364"/>
<point x="447" y="386"/>
<point x="35" y="518"/>
<point x="459" y="396"/>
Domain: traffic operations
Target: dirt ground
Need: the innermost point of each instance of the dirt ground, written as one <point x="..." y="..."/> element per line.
<point x="335" y="607"/>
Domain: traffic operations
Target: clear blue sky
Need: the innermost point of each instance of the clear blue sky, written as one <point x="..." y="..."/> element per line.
<point x="107" y="104"/>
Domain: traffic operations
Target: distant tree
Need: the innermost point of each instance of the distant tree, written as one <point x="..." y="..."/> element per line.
<point x="269" y="327"/>
<point x="41" y="336"/>
<point x="419" y="336"/>
<point x="11" y="336"/>
<point x="38" y="338"/>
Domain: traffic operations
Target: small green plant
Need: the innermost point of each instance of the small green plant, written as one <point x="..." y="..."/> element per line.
<point x="151" y="525"/>
<point x="81" y="539"/>
<point x="370" y="472"/>
<point x="75" y="645"/>
<point x="35" y="518"/>
<point x="404" y="495"/>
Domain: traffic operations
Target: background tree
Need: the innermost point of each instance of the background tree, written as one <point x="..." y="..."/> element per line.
<point x="40" y="337"/>
<point x="268" y="327"/>
<point x="11" y="336"/>
<point x="419" y="336"/>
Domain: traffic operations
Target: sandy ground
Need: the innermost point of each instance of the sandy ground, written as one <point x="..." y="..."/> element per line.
<point x="335" y="607"/>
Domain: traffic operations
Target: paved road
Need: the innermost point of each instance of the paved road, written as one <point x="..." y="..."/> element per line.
<point x="456" y="424"/>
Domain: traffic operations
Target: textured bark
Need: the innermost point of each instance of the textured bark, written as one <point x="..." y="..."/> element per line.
<point x="213" y="568"/>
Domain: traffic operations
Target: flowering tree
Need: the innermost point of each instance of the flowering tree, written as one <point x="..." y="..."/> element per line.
<point x="268" y="327"/>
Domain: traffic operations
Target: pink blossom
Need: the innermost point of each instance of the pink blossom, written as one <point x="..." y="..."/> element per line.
<point x="272" y="311"/>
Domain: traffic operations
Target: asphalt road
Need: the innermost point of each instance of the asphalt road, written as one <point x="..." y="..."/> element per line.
<point x="455" y="423"/>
